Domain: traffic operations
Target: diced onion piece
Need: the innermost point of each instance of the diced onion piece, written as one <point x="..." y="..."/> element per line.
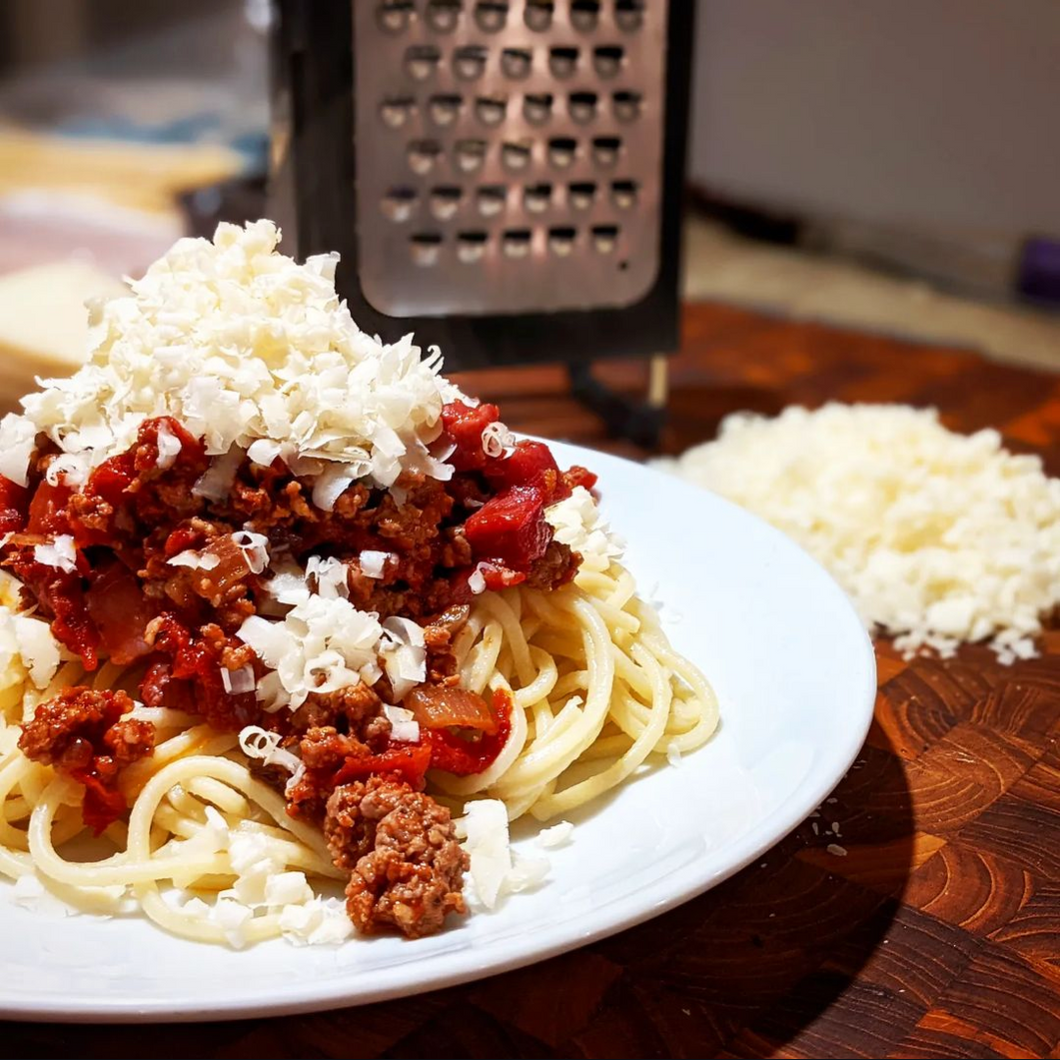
<point x="437" y="707"/>
<point x="477" y="581"/>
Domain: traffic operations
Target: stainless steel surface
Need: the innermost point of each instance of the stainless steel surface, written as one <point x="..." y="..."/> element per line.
<point x="509" y="155"/>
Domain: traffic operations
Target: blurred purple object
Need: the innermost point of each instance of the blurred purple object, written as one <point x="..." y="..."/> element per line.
<point x="1039" y="271"/>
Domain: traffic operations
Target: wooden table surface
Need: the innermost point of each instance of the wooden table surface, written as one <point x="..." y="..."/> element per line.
<point x="938" y="935"/>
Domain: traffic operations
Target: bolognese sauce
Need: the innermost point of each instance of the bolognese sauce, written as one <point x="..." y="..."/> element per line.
<point x="103" y="561"/>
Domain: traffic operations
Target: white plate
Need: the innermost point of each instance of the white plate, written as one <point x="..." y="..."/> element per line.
<point x="795" y="675"/>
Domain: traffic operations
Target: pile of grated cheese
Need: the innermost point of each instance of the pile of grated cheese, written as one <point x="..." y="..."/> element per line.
<point x="250" y="351"/>
<point x="939" y="538"/>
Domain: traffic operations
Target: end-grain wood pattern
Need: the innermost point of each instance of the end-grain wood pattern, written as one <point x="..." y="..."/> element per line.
<point x="936" y="935"/>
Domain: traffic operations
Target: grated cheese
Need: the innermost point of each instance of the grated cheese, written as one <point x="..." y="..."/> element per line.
<point x="242" y="345"/>
<point x="556" y="836"/>
<point x="255" y="549"/>
<point x="194" y="560"/>
<point x="26" y="647"/>
<point x="168" y="447"/>
<point x="325" y="644"/>
<point x="60" y="554"/>
<point x="494" y="870"/>
<point x="577" y="522"/>
<point x="403" y="725"/>
<point x="373" y="562"/>
<point x="939" y="538"/>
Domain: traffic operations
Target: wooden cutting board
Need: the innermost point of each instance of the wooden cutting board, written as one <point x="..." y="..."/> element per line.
<point x="937" y="935"/>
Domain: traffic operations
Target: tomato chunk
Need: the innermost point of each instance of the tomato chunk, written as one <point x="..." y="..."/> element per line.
<point x="47" y="510"/>
<point x="528" y="464"/>
<point x="121" y="613"/>
<point x="510" y="529"/>
<point x="409" y="761"/>
<point x="453" y="754"/>
<point x="464" y="425"/>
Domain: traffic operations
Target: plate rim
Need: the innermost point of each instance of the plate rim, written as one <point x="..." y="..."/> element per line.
<point x="298" y="996"/>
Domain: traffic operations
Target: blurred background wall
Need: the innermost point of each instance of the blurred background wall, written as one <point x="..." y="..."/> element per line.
<point x="936" y="115"/>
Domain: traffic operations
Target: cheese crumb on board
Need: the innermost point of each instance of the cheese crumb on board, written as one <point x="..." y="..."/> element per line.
<point x="939" y="538"/>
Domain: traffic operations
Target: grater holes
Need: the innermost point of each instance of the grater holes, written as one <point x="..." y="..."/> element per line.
<point x="399" y="204"/>
<point x="561" y="240"/>
<point x="562" y="151"/>
<point x="421" y="61"/>
<point x="490" y="199"/>
<point x="584" y="14"/>
<point x="444" y="109"/>
<point x="394" y="16"/>
<point x="582" y="106"/>
<point x="516" y="154"/>
<point x="423" y="155"/>
<point x="516" y="243"/>
<point x="562" y="62"/>
<point x="491" y="110"/>
<point x="537" y="107"/>
<point x="629" y="15"/>
<point x="443" y="15"/>
<point x="445" y="201"/>
<point x="469" y="62"/>
<point x="581" y="194"/>
<point x="608" y="59"/>
<point x="537" y="197"/>
<point x="491" y="15"/>
<point x="471" y="246"/>
<point x="606" y="150"/>
<point x="538" y="14"/>
<point x="395" y="111"/>
<point x="470" y="154"/>
<point x="626" y="105"/>
<point x="425" y="248"/>
<point x="516" y="63"/>
<point x="605" y="238"/>
<point x="624" y="194"/>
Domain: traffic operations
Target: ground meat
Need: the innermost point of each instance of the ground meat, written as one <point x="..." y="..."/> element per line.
<point x="438" y="637"/>
<point x="324" y="748"/>
<point x="406" y="867"/>
<point x="555" y="568"/>
<point x="79" y="724"/>
<point x="81" y="734"/>
<point x="91" y="512"/>
<point x="356" y="711"/>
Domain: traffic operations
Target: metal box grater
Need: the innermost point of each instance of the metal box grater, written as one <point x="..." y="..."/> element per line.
<point x="504" y="178"/>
